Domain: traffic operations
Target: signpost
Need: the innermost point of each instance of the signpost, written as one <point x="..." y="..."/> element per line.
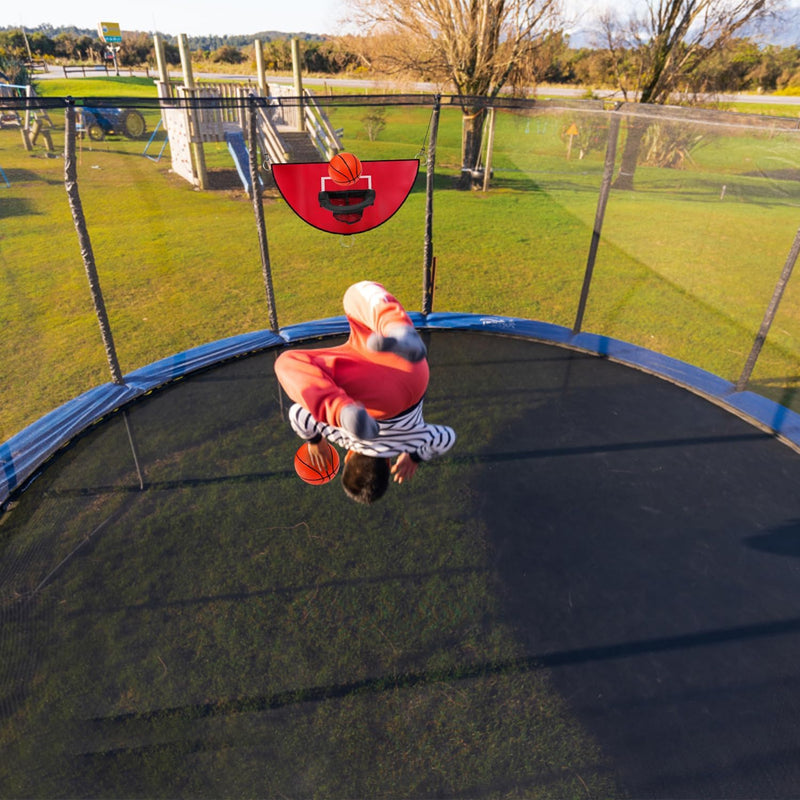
<point x="572" y="132"/>
<point x="111" y="34"/>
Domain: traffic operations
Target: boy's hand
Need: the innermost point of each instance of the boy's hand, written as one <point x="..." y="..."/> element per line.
<point x="404" y="468"/>
<point x="319" y="454"/>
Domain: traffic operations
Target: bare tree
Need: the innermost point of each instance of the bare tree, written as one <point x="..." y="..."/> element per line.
<point x="655" y="52"/>
<point x="474" y="46"/>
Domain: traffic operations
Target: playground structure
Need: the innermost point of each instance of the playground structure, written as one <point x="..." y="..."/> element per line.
<point x="291" y="132"/>
<point x="290" y="126"/>
<point x="32" y="122"/>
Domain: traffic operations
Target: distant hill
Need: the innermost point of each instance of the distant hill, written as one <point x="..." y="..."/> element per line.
<point x="783" y="30"/>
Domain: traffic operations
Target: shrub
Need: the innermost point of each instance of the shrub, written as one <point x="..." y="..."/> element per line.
<point x="374" y="122"/>
<point x="228" y="54"/>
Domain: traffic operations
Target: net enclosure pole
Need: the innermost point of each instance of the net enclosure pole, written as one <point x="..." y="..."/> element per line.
<point x="602" y="202"/>
<point x="137" y="462"/>
<point x="428" y="261"/>
<point x="258" y="211"/>
<point x="769" y="314"/>
<point x="487" y="167"/>
<point x="87" y="254"/>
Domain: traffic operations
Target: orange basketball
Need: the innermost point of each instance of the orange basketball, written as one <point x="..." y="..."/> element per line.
<point x="309" y="473"/>
<point x="344" y="168"/>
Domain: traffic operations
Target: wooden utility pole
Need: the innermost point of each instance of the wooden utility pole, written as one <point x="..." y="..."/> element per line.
<point x="298" y="84"/>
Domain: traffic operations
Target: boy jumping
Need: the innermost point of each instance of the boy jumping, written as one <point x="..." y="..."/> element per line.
<point x="366" y="395"/>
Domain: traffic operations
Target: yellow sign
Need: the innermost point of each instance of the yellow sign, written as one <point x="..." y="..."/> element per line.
<point x="109" y="31"/>
<point x="572" y="132"/>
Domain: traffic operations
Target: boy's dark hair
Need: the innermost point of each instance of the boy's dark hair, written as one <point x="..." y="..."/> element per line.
<point x="365" y="479"/>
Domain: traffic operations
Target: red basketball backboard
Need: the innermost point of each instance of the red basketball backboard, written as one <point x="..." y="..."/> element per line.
<point x="380" y="191"/>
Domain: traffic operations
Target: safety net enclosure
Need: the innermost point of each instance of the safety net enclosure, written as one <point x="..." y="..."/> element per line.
<point x="593" y="594"/>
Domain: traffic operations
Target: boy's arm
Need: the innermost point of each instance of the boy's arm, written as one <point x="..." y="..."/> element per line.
<point x="442" y="439"/>
<point x="304" y="424"/>
<point x="306" y="427"/>
<point x="307" y="382"/>
<point x="406" y="464"/>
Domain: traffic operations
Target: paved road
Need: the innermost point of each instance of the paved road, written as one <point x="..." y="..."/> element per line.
<point x="363" y="83"/>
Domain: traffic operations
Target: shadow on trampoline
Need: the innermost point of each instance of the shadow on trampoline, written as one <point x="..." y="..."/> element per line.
<point x="629" y="571"/>
<point x="464" y="673"/>
<point x="785" y="541"/>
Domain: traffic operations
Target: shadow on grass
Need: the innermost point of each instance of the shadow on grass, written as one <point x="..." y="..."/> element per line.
<point x="16" y="207"/>
<point x="224" y="180"/>
<point x="775" y="174"/>
<point x="720" y="190"/>
<point x="784" y="391"/>
<point x="448" y="181"/>
<point x="18" y="175"/>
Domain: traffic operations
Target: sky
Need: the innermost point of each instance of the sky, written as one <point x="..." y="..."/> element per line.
<point x="197" y="18"/>
<point x="234" y="17"/>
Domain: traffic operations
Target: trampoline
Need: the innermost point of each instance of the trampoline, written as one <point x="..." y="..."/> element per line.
<point x="594" y="595"/>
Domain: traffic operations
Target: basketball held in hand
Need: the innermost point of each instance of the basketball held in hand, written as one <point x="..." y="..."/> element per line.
<point x="344" y="169"/>
<point x="309" y="473"/>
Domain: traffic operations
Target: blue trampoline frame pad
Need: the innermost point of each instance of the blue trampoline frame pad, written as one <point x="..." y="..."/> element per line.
<point x="26" y="452"/>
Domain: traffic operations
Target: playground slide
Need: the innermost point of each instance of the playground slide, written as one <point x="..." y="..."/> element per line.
<point x="240" y="155"/>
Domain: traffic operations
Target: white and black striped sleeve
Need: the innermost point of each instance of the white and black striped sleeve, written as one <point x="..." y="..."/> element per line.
<point x="407" y="433"/>
<point x="439" y="440"/>
<point x="303" y="422"/>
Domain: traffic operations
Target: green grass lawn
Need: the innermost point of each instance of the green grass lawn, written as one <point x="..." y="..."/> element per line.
<point x="686" y="266"/>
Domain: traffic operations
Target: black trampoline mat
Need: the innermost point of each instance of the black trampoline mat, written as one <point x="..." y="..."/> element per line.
<point x="595" y="594"/>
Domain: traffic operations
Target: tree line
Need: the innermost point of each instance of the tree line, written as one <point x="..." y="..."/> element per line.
<point x="742" y="64"/>
<point x="74" y="45"/>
